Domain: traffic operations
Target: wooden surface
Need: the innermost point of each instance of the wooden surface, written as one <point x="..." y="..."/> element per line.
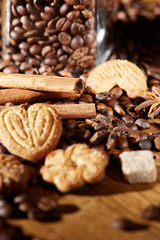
<point x="90" y="211"/>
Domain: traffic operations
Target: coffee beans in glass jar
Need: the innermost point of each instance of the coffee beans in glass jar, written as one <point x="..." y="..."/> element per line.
<point x="59" y="36"/>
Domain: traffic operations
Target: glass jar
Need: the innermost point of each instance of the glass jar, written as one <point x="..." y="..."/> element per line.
<point x="65" y="38"/>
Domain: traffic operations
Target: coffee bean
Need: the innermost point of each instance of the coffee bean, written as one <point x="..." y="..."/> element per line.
<point x="21" y="10"/>
<point x="46" y="16"/>
<point x="108" y="111"/>
<point x="85" y="62"/>
<point x="39" y="4"/>
<point x="64" y="38"/>
<point x="67" y="49"/>
<point x="50" y="9"/>
<point x="89" y="39"/>
<point x="41" y="24"/>
<point x="27" y="24"/>
<point x="116" y="92"/>
<point x="143" y="135"/>
<point x="73" y="15"/>
<point x="151" y="212"/>
<point x="25" y="206"/>
<point x="142" y="123"/>
<point x="125" y="224"/>
<point x="34" y="62"/>
<point x="63" y="24"/>
<point x="157" y="142"/>
<point x="24" y="66"/>
<point x="17" y="36"/>
<point x="32" y="33"/>
<point x="77" y="42"/>
<point x="77" y="28"/>
<point x="121" y="142"/>
<point x="2" y="149"/>
<point x="64" y="9"/>
<point x="133" y="126"/>
<point x="35" y="49"/>
<point x="37" y="26"/>
<point x="145" y="144"/>
<point x="44" y="69"/>
<point x="15" y="22"/>
<point x="119" y="110"/>
<point x="46" y="204"/>
<point x="71" y="2"/>
<point x="128" y="119"/>
<point x="6" y="209"/>
<point x="11" y="69"/>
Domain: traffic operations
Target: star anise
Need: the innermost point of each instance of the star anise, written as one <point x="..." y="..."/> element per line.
<point x="152" y="100"/>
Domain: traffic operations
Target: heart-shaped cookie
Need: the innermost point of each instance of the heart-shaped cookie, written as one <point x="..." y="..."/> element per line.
<point x="31" y="133"/>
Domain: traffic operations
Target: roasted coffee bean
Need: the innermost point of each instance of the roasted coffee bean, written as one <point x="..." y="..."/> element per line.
<point x="151" y="212"/>
<point x="143" y="135"/>
<point x="121" y="142"/>
<point x="98" y="137"/>
<point x="20" y="198"/>
<point x="154" y="72"/>
<point x="111" y="140"/>
<point x="2" y="149"/>
<point x="89" y="39"/>
<point x="142" y="123"/>
<point x="128" y="119"/>
<point x="24" y="66"/>
<point x="133" y="126"/>
<point x="64" y="38"/>
<point x="63" y="24"/>
<point x="67" y="49"/>
<point x="64" y="9"/>
<point x="35" y="49"/>
<point x="70" y="124"/>
<point x="73" y="15"/>
<point x="15" y="35"/>
<point x="145" y="144"/>
<point x="125" y="224"/>
<point x="119" y="110"/>
<point x="39" y="4"/>
<point x="11" y="69"/>
<point x="107" y="111"/>
<point x="7" y="209"/>
<point x="21" y="10"/>
<point x="157" y="142"/>
<point x="37" y="24"/>
<point x="116" y="92"/>
<point x="77" y="28"/>
<point x="46" y="204"/>
<point x="34" y="62"/>
<point x="77" y="42"/>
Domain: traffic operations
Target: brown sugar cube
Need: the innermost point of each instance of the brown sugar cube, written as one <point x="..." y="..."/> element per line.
<point x="138" y="166"/>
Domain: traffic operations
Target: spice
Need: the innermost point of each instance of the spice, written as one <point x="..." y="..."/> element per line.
<point x="152" y="100"/>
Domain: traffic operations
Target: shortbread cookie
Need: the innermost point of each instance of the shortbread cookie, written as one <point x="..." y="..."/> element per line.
<point x="14" y="175"/>
<point x="71" y="168"/>
<point x="32" y="133"/>
<point x="138" y="166"/>
<point x="123" y="73"/>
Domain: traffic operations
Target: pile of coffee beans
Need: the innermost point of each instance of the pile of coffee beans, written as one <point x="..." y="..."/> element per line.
<point x="50" y="37"/>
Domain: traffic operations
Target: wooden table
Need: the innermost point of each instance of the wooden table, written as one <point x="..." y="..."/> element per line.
<point x="92" y="209"/>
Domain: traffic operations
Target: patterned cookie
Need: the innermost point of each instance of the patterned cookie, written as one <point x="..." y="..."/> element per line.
<point x="123" y="73"/>
<point x="72" y="168"/>
<point x="32" y="133"/>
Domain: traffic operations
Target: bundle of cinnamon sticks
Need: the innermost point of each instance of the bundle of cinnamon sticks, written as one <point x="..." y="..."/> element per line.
<point x="21" y="88"/>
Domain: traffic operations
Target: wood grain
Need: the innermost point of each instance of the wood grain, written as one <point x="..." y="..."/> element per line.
<point x="95" y="207"/>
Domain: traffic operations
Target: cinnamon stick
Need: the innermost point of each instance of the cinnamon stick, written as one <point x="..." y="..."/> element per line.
<point x="17" y="96"/>
<point x="75" y="111"/>
<point x="42" y="83"/>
